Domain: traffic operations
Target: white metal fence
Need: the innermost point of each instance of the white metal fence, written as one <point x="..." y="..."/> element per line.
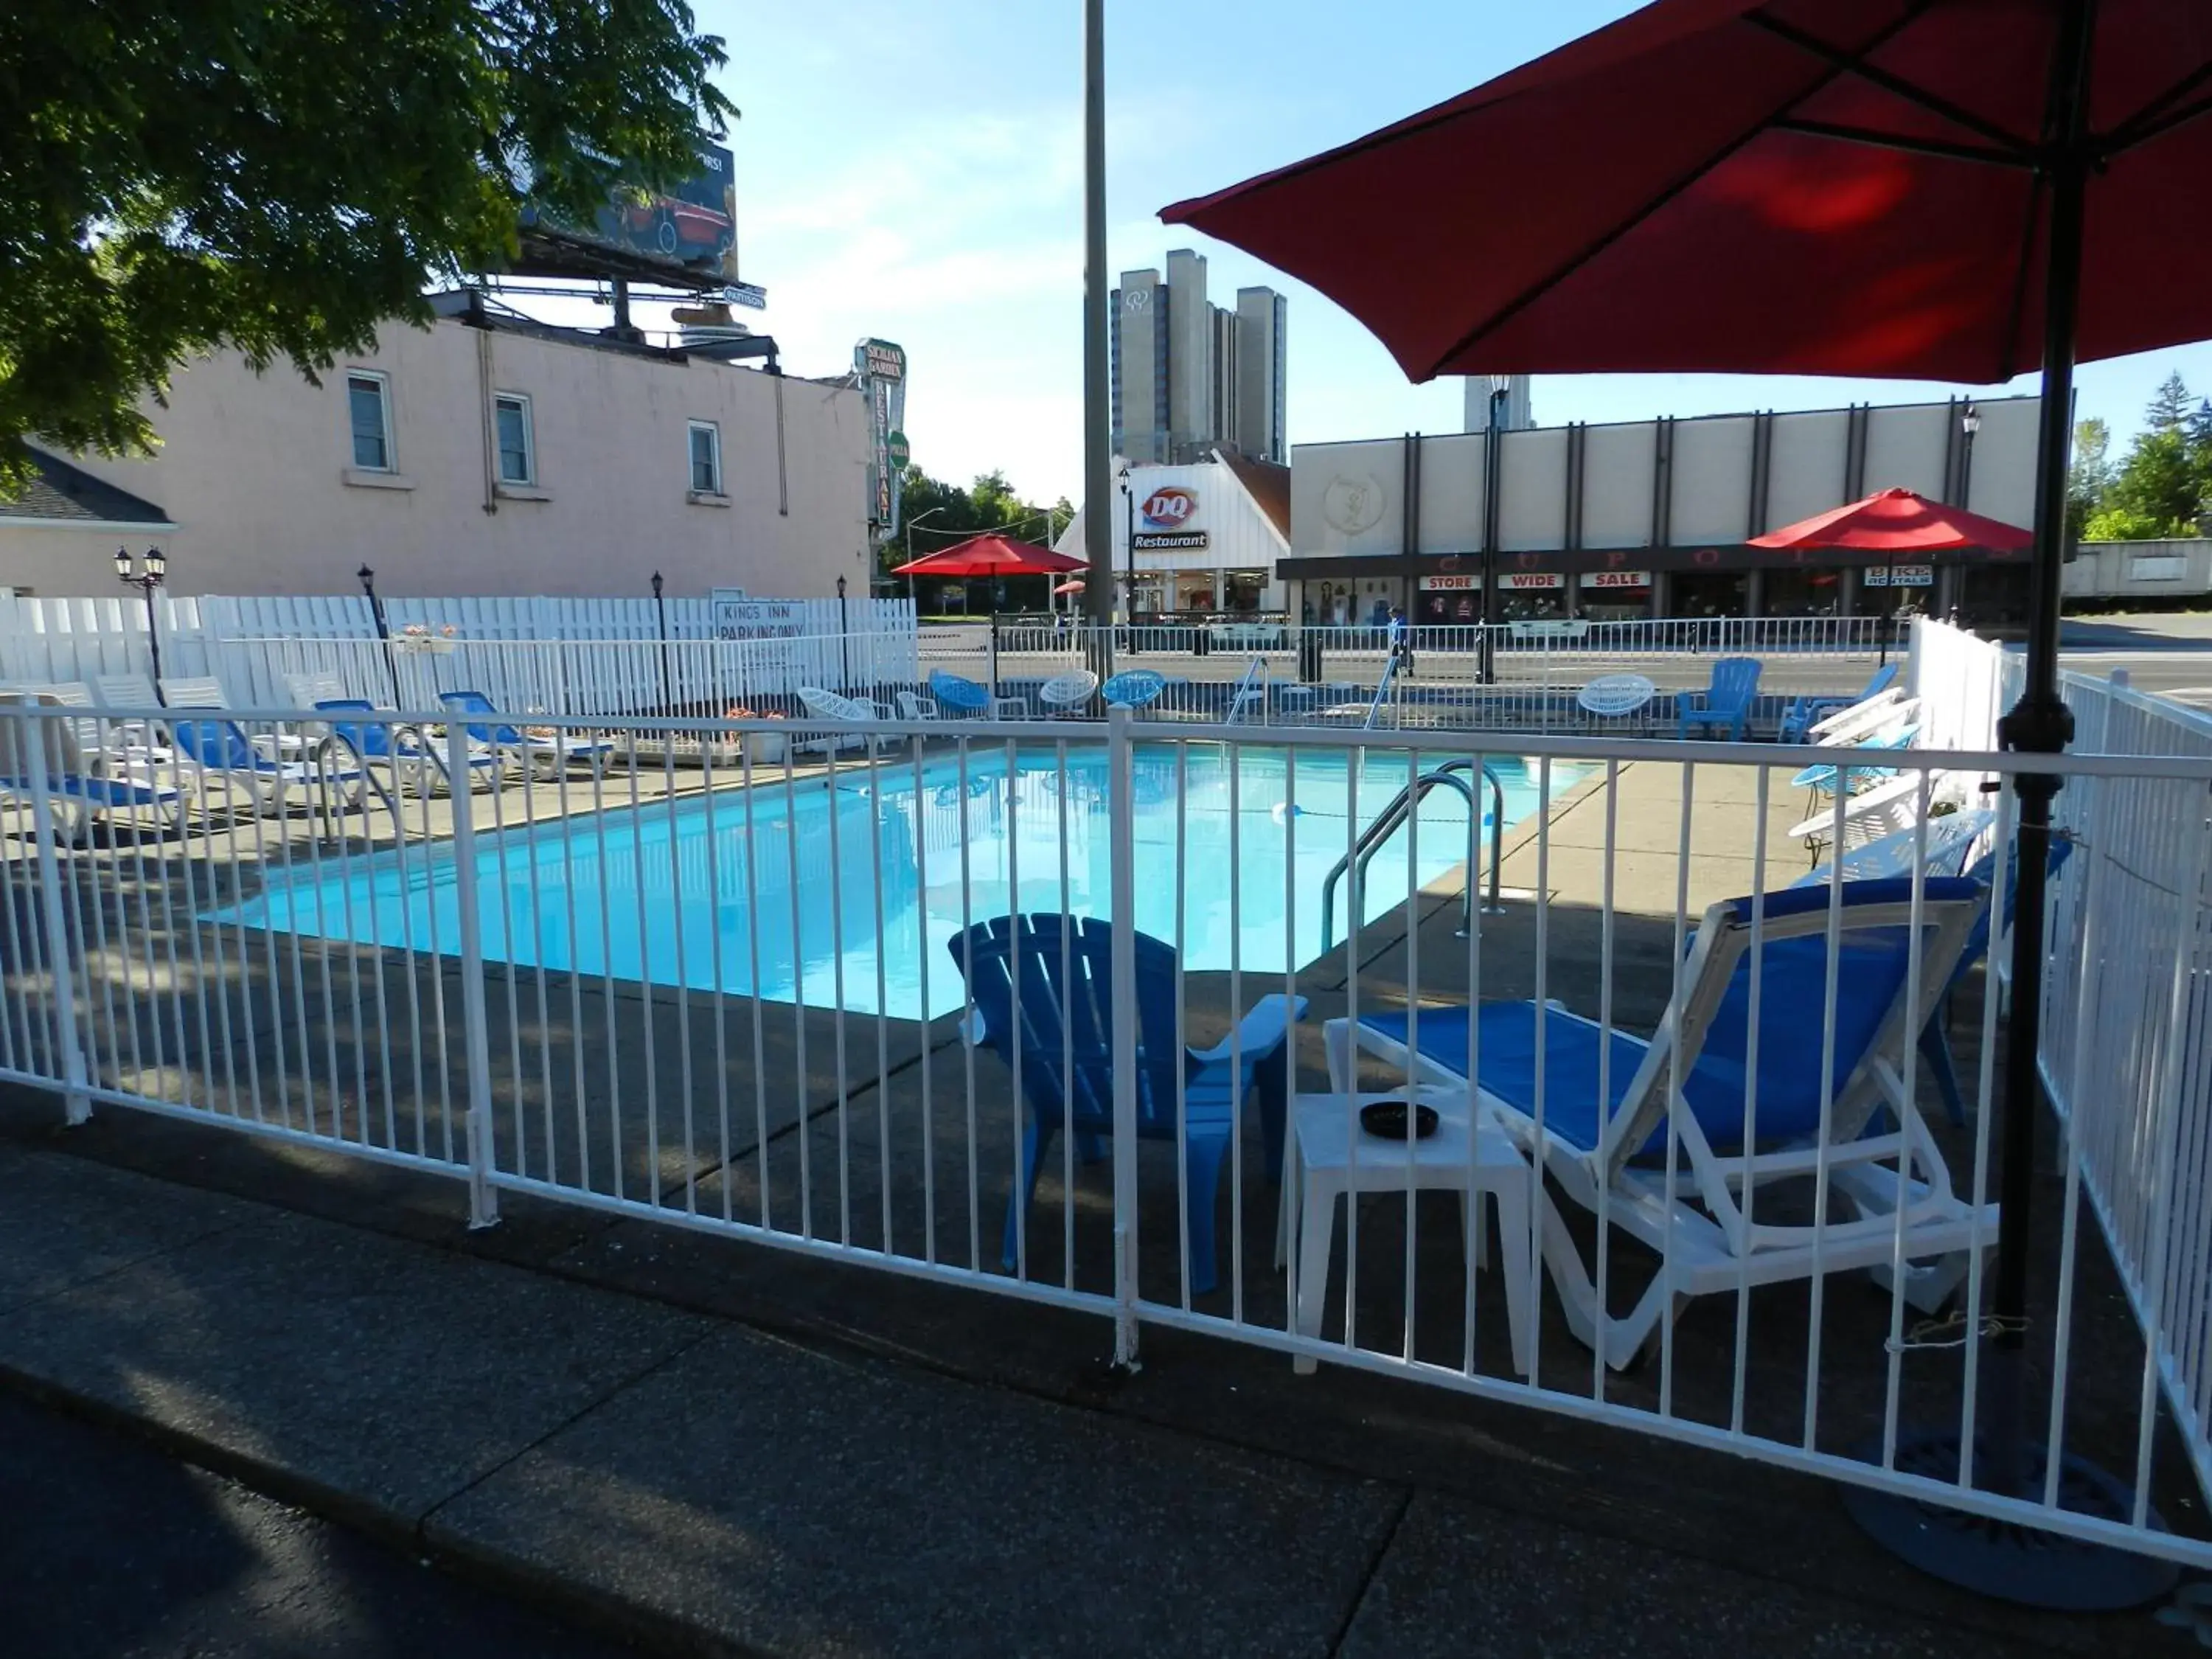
<point x="1516" y="676"/>
<point x="724" y="994"/>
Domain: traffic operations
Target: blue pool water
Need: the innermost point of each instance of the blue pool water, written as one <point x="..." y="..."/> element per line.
<point x="844" y="893"/>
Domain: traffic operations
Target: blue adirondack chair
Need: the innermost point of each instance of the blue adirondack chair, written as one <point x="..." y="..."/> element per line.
<point x="1803" y="713"/>
<point x="1725" y="704"/>
<point x="1055" y="1019"/>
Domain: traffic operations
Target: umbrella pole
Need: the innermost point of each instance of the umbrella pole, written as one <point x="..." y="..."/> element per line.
<point x="2038" y="1569"/>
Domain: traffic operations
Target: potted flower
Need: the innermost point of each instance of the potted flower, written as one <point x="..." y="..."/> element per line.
<point x="763" y="748"/>
<point x="421" y="639"/>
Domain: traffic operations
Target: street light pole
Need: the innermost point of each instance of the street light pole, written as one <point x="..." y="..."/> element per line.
<point x="156" y="565"/>
<point x="1097" y="416"/>
<point x="844" y="645"/>
<point x="661" y="616"/>
<point x="1494" y="475"/>
<point x="1129" y="553"/>
<point x="911" y="598"/>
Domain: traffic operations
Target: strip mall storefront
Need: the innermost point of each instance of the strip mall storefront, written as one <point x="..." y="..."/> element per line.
<point x="1665" y="582"/>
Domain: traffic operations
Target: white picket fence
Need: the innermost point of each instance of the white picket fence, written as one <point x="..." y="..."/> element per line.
<point x="578" y="657"/>
<point x="2127" y="1005"/>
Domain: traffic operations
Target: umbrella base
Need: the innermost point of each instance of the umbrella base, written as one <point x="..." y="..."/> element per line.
<point x="2004" y="1559"/>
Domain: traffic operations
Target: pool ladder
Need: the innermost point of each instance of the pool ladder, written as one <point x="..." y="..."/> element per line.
<point x="1454" y="774"/>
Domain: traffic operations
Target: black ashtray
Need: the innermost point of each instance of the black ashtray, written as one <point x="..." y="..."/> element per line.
<point x="1386" y="1120"/>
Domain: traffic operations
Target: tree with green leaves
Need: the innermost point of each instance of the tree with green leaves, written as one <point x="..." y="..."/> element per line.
<point x="2159" y="489"/>
<point x="942" y="512"/>
<point x="281" y="176"/>
<point x="2089" y="477"/>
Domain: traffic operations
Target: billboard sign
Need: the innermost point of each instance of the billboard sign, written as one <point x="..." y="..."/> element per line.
<point x="691" y="229"/>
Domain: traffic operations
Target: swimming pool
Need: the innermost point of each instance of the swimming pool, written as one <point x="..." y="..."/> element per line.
<point x="842" y="892"/>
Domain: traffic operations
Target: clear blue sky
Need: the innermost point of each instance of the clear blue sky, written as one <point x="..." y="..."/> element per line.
<point x="913" y="171"/>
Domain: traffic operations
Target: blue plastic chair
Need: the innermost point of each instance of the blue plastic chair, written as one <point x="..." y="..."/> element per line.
<point x="1133" y="689"/>
<point x="1057" y="1019"/>
<point x="963" y="697"/>
<point x="1803" y="713"/>
<point x="1726" y="704"/>
<point x="1824" y="779"/>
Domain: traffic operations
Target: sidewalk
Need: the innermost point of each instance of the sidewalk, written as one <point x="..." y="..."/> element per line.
<point x="712" y="1447"/>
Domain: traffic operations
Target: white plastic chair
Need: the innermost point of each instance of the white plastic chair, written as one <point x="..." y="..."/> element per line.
<point x="913" y="706"/>
<point x="848" y="711"/>
<point x="1068" y="694"/>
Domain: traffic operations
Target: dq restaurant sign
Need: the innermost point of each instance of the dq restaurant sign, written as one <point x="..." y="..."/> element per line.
<point x="1163" y="521"/>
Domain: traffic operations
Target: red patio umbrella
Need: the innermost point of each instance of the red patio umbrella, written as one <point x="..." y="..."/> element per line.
<point x="1898" y="521"/>
<point x="990" y="556"/>
<point x="1958" y="189"/>
<point x="1892" y="522"/>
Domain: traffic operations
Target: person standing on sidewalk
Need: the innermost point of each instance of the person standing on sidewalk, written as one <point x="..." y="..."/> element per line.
<point x="1401" y="640"/>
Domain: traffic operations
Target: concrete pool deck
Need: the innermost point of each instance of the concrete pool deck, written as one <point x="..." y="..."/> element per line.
<point x="716" y="1446"/>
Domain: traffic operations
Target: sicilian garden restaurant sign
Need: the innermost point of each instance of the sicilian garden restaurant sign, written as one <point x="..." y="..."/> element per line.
<point x="879" y="370"/>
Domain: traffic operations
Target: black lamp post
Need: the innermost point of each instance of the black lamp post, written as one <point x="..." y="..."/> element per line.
<point x="1493" y="481"/>
<point x="155" y="567"/>
<point x="367" y="578"/>
<point x="1970" y="423"/>
<point x="1129" y="550"/>
<point x="661" y="619"/>
<point x="844" y="643"/>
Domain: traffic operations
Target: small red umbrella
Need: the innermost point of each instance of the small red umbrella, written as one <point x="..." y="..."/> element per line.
<point x="1891" y="522"/>
<point x="1898" y="521"/>
<point x="991" y="555"/>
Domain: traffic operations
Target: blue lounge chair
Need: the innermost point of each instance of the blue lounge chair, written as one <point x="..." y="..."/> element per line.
<point x="398" y="747"/>
<point x="1600" y="1123"/>
<point x="1935" y="1039"/>
<point x="1950" y="841"/>
<point x="223" y="757"/>
<point x="1133" y="689"/>
<point x="1725" y="704"/>
<point x="1055" y="1019"/>
<point x="78" y="786"/>
<point x="495" y="732"/>
<point x="1803" y="713"/>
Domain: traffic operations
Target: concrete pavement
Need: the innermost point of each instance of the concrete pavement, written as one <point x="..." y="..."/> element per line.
<point x="840" y="1472"/>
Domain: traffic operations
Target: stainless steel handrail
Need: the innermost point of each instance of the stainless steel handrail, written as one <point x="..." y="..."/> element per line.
<point x="1387" y="822"/>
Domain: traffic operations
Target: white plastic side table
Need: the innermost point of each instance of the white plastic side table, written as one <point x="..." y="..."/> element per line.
<point x="1326" y="1156"/>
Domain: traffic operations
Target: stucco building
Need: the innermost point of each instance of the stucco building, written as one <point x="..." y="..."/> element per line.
<point x="487" y="454"/>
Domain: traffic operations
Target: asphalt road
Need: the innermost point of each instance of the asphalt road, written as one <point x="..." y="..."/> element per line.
<point x="111" y="1550"/>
